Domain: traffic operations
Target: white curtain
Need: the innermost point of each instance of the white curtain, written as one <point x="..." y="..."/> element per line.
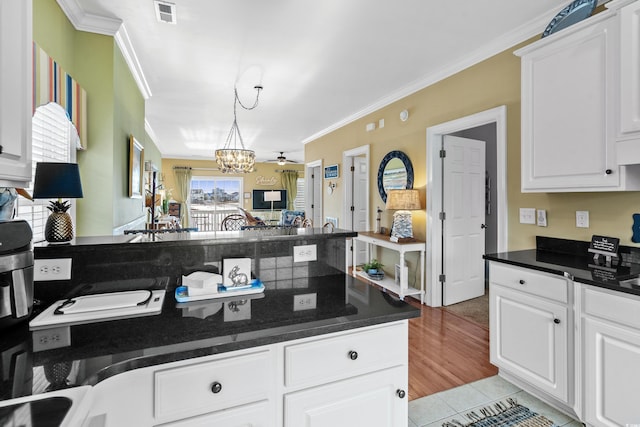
<point x="183" y="181"/>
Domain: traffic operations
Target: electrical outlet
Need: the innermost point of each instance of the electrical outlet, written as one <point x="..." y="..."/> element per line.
<point x="52" y="269"/>
<point x="582" y="219"/>
<point x="47" y="339"/>
<point x="305" y="302"/>
<point x="305" y="253"/>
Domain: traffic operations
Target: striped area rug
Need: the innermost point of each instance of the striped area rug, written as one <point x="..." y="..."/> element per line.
<point x="508" y="414"/>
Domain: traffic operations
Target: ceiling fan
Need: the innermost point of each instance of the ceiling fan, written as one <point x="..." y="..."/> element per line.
<point x="281" y="159"/>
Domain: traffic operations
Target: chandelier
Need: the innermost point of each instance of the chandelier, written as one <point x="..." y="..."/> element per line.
<point x="234" y="157"/>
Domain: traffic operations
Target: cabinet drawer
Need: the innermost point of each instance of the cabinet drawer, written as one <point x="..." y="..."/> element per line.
<point x="534" y="282"/>
<point x="254" y="415"/>
<point x="346" y="355"/>
<point x="617" y="307"/>
<point x="188" y="390"/>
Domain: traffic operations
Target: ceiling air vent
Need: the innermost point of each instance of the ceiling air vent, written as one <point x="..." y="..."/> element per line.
<point x="165" y="12"/>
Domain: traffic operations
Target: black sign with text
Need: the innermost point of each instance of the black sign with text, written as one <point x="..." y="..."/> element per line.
<point x="604" y="245"/>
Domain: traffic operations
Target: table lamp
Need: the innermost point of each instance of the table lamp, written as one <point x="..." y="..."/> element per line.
<point x="57" y="180"/>
<point x="272" y="196"/>
<point x="402" y="201"/>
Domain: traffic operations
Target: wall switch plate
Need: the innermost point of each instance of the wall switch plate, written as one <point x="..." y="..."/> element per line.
<point x="582" y="219"/>
<point x="305" y="253"/>
<point x="305" y="302"/>
<point x="52" y="269"/>
<point x="527" y="215"/>
<point x="541" y="218"/>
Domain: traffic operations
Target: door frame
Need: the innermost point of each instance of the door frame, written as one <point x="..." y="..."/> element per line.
<point x="348" y="185"/>
<point x="435" y="134"/>
<point x="308" y="188"/>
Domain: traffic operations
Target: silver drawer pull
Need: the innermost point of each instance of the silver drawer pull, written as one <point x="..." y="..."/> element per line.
<point x="401" y="393"/>
<point x="522" y="282"/>
<point x="353" y="355"/>
<point x="556" y="321"/>
<point x="216" y="387"/>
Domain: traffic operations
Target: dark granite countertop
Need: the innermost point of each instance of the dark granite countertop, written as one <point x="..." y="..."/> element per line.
<point x="201" y="237"/>
<point x="571" y="259"/>
<point x="101" y="350"/>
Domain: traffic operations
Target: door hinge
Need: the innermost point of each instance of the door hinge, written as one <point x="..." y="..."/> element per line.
<point x="353" y="208"/>
<point x="443" y="154"/>
<point x="442" y="216"/>
<point x="313" y="206"/>
<point x="312" y="176"/>
<point x="442" y="278"/>
<point x="353" y="168"/>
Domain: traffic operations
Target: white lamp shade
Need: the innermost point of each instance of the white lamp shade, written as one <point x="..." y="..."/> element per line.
<point x="272" y="196"/>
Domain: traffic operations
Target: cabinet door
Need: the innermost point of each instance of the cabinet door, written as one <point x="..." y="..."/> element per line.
<point x="371" y="400"/>
<point x="612" y="374"/>
<point x="630" y="70"/>
<point x="529" y="339"/>
<point x="566" y="89"/>
<point x="15" y="92"/>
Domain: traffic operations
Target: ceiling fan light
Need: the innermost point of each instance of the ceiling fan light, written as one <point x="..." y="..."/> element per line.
<point x="282" y="162"/>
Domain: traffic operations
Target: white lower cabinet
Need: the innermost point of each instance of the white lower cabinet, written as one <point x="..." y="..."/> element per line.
<point x="374" y="400"/>
<point x="611" y="357"/>
<point x="361" y="372"/>
<point x="530" y="324"/>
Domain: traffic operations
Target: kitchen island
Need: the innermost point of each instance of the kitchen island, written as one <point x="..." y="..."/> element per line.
<point x="261" y="358"/>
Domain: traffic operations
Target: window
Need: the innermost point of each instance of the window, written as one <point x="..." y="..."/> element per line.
<point x="54" y="139"/>
<point x="298" y="202"/>
<point x="213" y="198"/>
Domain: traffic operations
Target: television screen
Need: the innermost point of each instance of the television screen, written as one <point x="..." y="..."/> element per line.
<point x="259" y="202"/>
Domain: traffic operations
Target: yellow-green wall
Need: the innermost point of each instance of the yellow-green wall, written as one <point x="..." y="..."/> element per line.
<point x="491" y="83"/>
<point x="115" y="109"/>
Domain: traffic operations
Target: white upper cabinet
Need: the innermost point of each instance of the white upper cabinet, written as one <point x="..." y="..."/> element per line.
<point x="15" y="92"/>
<point x="570" y="85"/>
<point x="628" y="132"/>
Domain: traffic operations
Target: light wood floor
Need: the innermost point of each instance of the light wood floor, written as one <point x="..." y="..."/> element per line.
<point x="445" y="351"/>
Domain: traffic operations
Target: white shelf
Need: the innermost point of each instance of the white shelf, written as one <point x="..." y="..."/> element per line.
<point x="402" y="248"/>
<point x="390" y="284"/>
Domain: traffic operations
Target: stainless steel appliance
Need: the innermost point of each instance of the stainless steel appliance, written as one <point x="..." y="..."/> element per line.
<point x="16" y="272"/>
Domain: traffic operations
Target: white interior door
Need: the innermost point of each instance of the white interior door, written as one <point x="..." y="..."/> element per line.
<point x="463" y="201"/>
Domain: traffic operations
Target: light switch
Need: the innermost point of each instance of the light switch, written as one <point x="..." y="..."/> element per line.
<point x="582" y="219"/>
<point x="527" y="215"/>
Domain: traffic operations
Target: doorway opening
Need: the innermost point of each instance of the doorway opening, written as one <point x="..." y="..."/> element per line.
<point x="487" y="125"/>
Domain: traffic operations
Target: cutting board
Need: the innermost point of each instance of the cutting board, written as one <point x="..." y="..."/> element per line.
<point x="109" y="301"/>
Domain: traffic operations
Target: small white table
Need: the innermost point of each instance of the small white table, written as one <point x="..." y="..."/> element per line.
<point x="381" y="240"/>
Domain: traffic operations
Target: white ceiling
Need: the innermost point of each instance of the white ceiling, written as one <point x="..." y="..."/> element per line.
<point x="322" y="63"/>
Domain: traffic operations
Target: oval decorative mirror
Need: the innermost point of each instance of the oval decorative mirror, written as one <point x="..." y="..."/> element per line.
<point x="395" y="173"/>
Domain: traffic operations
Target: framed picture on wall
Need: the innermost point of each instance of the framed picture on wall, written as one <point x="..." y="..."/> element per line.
<point x="331" y="172"/>
<point x="136" y="161"/>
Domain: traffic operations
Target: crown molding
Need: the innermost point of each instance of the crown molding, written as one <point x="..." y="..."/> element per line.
<point x="150" y="132"/>
<point x="506" y="41"/>
<point x="115" y="28"/>
<point x="124" y="43"/>
<point x="88" y="22"/>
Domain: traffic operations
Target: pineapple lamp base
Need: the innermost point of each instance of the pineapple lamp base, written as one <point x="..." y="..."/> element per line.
<point x="59" y="228"/>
